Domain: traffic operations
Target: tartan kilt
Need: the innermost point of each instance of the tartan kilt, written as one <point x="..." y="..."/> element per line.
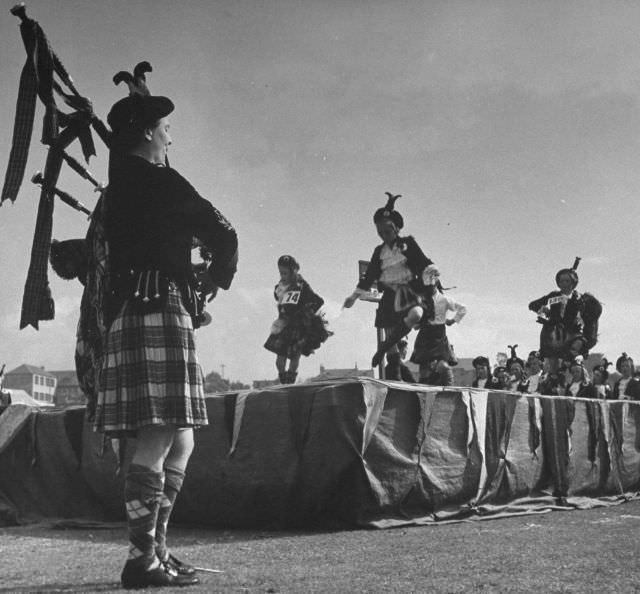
<point x="150" y="373"/>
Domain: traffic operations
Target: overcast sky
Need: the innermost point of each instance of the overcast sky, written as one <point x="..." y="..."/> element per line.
<point x="511" y="129"/>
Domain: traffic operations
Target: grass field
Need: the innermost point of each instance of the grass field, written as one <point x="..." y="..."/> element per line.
<point x="562" y="551"/>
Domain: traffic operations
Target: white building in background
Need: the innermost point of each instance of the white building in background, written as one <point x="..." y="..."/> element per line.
<point x="35" y="381"/>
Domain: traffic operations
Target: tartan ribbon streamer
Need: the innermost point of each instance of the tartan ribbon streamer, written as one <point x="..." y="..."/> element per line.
<point x="37" y="79"/>
<point x="22" y="129"/>
<point x="37" y="303"/>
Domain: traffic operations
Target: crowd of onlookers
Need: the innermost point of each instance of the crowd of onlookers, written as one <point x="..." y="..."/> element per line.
<point x="571" y="378"/>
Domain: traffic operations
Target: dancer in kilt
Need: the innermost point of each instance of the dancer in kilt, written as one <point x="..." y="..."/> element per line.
<point x="431" y="349"/>
<point x="396" y="266"/>
<point x="566" y="315"/>
<point x="299" y="329"/>
<point x="151" y="384"/>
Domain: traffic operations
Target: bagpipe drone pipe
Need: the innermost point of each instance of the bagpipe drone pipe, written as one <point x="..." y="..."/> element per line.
<point x="44" y="76"/>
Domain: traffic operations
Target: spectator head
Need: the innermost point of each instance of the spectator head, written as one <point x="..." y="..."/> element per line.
<point x="600" y="373"/>
<point x="482" y="366"/>
<point x="577" y="370"/>
<point x="625" y="366"/>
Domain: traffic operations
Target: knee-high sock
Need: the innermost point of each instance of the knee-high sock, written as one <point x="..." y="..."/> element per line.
<point x="143" y="489"/>
<point x="173" y="479"/>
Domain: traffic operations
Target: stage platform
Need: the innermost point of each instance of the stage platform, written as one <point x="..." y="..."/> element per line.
<point x="356" y="452"/>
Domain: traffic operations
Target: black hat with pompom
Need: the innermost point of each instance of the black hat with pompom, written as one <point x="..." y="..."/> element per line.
<point x="388" y="213"/>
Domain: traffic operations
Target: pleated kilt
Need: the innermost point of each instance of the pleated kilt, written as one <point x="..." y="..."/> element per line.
<point x="150" y="373"/>
<point x="431" y="344"/>
<point x="298" y="335"/>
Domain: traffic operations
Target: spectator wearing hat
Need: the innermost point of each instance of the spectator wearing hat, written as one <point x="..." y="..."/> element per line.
<point x="600" y="376"/>
<point x="396" y="265"/>
<point x="534" y="372"/>
<point x="626" y="387"/>
<point x="564" y="315"/>
<point x="516" y="369"/>
<point x="484" y="377"/>
<point x="299" y="329"/>
<point x="578" y="384"/>
<point x="151" y="382"/>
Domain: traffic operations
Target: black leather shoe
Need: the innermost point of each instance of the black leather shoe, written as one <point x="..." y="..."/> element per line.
<point x="180" y="567"/>
<point x="135" y="576"/>
<point x="562" y="502"/>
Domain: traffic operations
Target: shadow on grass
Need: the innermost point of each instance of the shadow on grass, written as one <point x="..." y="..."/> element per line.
<point x="61" y="588"/>
<point x="181" y="535"/>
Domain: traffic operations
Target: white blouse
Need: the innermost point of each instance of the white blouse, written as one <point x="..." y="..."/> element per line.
<point x="393" y="266"/>
<point x="442" y="304"/>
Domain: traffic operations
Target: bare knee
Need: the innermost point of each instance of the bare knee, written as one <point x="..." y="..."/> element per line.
<point x="413" y="317"/>
<point x="181" y="449"/>
<point x="153" y="444"/>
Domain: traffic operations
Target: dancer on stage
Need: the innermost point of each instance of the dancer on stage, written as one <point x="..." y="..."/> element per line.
<point x="396" y="265"/>
<point x="299" y="329"/>
<point x="151" y="383"/>
<point x="565" y="315"/>
<point x="432" y="350"/>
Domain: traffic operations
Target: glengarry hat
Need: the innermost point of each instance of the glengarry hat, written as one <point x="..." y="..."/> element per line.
<point x="570" y="271"/>
<point x="139" y="109"/>
<point x="514" y="358"/>
<point x="388" y="213"/>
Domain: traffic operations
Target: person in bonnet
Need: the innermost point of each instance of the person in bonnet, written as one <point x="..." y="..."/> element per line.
<point x="396" y="266"/>
<point x="151" y="382"/>
<point x="299" y="329"/>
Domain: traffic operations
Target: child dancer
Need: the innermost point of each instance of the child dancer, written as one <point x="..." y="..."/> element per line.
<point x="396" y="265"/>
<point x="432" y="350"/>
<point x="299" y="330"/>
<point x="566" y="314"/>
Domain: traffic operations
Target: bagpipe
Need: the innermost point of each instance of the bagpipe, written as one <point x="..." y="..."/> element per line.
<point x="45" y="77"/>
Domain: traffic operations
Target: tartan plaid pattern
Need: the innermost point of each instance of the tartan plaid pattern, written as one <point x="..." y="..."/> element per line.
<point x="142" y="494"/>
<point x="173" y="479"/>
<point x="37" y="303"/>
<point x="22" y="130"/>
<point x="36" y="78"/>
<point x="150" y="373"/>
<point x="92" y="323"/>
